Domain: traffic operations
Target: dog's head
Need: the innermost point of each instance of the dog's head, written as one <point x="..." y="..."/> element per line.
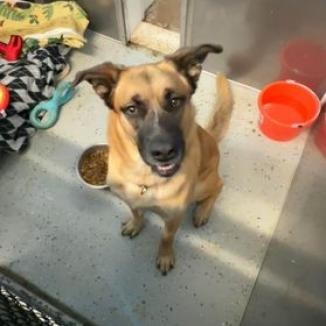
<point x="153" y="102"/>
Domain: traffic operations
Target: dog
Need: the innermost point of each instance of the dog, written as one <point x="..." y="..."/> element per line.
<point x="160" y="159"/>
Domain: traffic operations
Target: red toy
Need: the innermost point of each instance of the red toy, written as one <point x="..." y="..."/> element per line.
<point x="13" y="49"/>
<point x="4" y="99"/>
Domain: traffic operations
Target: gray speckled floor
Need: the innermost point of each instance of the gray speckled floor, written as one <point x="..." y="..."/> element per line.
<point x="291" y="288"/>
<point x="65" y="238"/>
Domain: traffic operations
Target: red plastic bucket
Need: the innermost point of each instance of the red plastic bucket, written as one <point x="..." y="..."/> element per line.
<point x="305" y="62"/>
<point x="286" y="108"/>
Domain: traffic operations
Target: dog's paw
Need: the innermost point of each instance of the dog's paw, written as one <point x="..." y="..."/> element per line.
<point x="131" y="227"/>
<point x="165" y="262"/>
<point x="199" y="220"/>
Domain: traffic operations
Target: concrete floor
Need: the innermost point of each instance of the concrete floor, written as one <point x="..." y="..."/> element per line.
<point x="291" y="288"/>
<point x="65" y="238"/>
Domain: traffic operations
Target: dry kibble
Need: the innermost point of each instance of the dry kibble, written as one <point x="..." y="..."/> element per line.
<point x="94" y="167"/>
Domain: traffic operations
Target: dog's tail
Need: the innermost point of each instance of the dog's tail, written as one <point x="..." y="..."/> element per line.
<point x="221" y="115"/>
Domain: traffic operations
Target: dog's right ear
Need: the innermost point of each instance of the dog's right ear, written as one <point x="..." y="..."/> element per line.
<point x="103" y="78"/>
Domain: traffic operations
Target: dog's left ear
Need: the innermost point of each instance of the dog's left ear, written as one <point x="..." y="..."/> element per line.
<point x="188" y="61"/>
<point x="103" y="78"/>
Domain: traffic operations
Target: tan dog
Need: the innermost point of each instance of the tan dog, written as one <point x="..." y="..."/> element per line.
<point x="160" y="159"/>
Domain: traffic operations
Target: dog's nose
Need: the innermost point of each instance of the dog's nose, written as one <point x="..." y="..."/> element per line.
<point x="163" y="151"/>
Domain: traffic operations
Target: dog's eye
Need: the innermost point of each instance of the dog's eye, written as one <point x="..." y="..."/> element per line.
<point x="131" y="110"/>
<point x="175" y="102"/>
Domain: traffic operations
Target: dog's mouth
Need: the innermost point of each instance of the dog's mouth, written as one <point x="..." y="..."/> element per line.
<point x="166" y="169"/>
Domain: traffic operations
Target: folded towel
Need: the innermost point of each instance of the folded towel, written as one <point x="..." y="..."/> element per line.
<point x="57" y="22"/>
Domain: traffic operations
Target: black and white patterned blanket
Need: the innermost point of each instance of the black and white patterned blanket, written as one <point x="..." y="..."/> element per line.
<point x="30" y="80"/>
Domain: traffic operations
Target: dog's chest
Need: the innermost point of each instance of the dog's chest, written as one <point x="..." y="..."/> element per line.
<point x="140" y="189"/>
<point x="136" y="195"/>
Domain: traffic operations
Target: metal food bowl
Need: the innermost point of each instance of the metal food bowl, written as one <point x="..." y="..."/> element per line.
<point x="86" y="152"/>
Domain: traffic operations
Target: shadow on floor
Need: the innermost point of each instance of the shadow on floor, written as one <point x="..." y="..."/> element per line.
<point x="296" y="256"/>
<point x="64" y="238"/>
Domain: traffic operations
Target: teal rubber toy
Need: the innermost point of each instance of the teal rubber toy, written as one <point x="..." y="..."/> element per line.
<point x="45" y="114"/>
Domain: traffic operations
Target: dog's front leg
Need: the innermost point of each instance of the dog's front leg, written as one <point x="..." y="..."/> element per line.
<point x="133" y="225"/>
<point x="205" y="203"/>
<point x="165" y="258"/>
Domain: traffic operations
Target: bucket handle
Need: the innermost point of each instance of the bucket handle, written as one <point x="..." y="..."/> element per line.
<point x="323" y="100"/>
<point x="291" y="81"/>
<point x="322" y="103"/>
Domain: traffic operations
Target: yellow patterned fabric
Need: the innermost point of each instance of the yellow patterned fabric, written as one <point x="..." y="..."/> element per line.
<point x="57" y="22"/>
